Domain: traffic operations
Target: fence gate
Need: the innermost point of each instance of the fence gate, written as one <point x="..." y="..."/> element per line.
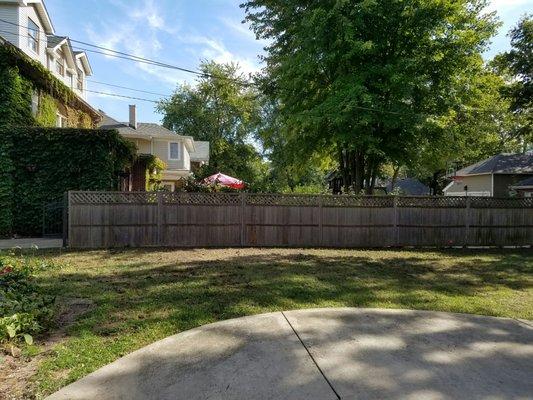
<point x="53" y="216"/>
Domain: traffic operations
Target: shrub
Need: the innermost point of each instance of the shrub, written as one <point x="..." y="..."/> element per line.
<point x="24" y="309"/>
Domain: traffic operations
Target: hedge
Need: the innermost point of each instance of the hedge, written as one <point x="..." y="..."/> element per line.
<point x="38" y="165"/>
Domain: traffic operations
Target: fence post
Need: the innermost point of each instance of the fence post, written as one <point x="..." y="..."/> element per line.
<point x="159" y="218"/>
<point x="467" y="222"/>
<point x="320" y="230"/>
<point x="243" y="212"/>
<point x="396" y="226"/>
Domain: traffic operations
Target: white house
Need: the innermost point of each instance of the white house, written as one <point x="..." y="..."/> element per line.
<point x="181" y="154"/>
<point x="493" y="177"/>
<point x="27" y="25"/>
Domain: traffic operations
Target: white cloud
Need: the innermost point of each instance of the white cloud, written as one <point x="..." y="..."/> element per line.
<point x="503" y="6"/>
<point x="212" y="49"/>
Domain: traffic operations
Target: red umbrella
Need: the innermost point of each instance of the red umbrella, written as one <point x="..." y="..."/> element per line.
<point x="224" y="180"/>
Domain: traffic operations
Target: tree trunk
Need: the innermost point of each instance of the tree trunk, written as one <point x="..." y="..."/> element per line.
<point x="359" y="171"/>
<point x="395" y="173"/>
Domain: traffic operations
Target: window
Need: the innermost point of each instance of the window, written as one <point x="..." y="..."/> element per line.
<point x="33" y="36"/>
<point x="80" y="81"/>
<point x="70" y="79"/>
<point x="61" y="121"/>
<point x="60" y="66"/>
<point x="173" y="151"/>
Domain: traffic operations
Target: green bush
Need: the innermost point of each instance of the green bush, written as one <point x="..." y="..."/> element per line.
<point x="24" y="309"/>
<point x="44" y="163"/>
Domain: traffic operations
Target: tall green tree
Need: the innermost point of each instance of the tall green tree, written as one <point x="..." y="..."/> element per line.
<point x="221" y="108"/>
<point x="361" y="79"/>
<point x="517" y="64"/>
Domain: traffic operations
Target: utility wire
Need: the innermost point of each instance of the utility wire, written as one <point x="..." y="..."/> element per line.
<point x="121" y="95"/>
<point x="138" y="58"/>
<point x="128" y="88"/>
<point x="131" y="57"/>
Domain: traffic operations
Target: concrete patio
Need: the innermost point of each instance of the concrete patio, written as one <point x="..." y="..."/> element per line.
<point x="322" y="354"/>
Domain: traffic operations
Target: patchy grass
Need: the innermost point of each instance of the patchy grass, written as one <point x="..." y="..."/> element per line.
<point x="140" y="296"/>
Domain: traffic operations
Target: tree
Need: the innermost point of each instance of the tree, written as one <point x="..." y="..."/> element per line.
<point x="478" y="126"/>
<point x="224" y="110"/>
<point x="517" y="64"/>
<point x="362" y="79"/>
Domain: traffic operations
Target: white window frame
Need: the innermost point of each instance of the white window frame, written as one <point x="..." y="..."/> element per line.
<point x="61" y="121"/>
<point x="33" y="41"/>
<point x="170" y="153"/>
<point x="60" y="66"/>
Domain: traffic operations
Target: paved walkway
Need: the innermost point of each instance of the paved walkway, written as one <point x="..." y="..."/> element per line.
<point x="28" y="243"/>
<point x="327" y="354"/>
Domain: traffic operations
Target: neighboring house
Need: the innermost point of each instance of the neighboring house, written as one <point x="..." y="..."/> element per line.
<point x="26" y="26"/>
<point x="524" y="188"/>
<point x="493" y="177"/>
<point x="407" y="187"/>
<point x="181" y="154"/>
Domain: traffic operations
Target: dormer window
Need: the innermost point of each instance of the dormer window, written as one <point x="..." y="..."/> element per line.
<point x="33" y="36"/>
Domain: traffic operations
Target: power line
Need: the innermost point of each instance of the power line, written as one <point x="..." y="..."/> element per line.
<point x="128" y="88"/>
<point x="121" y="95"/>
<point x="133" y="57"/>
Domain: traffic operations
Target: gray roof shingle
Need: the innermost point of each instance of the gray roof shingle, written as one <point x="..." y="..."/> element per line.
<point x="501" y="164"/>
<point x="409" y="186"/>
<point x="53" y="40"/>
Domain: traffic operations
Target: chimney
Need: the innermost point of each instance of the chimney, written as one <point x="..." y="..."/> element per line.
<point x="133" y="116"/>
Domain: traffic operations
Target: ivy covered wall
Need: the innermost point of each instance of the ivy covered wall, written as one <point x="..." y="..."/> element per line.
<point x="38" y="165"/>
<point x="20" y="78"/>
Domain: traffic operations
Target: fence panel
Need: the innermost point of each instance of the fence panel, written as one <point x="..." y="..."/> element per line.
<point x="130" y="219"/>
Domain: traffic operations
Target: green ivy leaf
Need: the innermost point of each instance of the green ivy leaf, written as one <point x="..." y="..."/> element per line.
<point x="28" y="339"/>
<point x="11" y="331"/>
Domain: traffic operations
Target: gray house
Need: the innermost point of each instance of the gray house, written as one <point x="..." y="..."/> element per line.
<point x="494" y="177"/>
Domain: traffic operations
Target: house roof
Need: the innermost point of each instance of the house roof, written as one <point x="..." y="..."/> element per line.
<point x="409" y="186"/>
<point x="500" y="164"/>
<point x="52" y="41"/>
<point x="144" y="130"/>
<point x="523" y="184"/>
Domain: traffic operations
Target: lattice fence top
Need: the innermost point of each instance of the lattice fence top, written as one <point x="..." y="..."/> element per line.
<point x="490" y="202"/>
<point x="201" y="198"/>
<point x="253" y="199"/>
<point x="358" y="201"/>
<point x="113" y="197"/>
<point x="281" y="200"/>
<point x="432" y="202"/>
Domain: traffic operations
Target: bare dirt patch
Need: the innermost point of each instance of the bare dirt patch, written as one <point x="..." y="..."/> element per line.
<point x="16" y="369"/>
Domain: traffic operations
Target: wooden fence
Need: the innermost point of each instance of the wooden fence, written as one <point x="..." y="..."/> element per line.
<point x="140" y="219"/>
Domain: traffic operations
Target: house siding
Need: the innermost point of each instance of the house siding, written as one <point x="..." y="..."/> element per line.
<point x="10" y="13"/>
<point x="161" y="151"/>
<point x="476" y="184"/>
<point x="24" y="14"/>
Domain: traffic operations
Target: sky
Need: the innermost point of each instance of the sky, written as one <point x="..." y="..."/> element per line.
<point x="181" y="33"/>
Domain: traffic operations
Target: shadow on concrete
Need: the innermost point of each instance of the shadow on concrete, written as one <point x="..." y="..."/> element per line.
<point x="179" y="294"/>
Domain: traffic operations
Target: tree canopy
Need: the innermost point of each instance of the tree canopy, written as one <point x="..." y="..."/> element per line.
<point x="368" y="81"/>
<point x="224" y="110"/>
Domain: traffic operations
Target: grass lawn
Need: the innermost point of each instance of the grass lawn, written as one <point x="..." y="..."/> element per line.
<point x="141" y="296"/>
